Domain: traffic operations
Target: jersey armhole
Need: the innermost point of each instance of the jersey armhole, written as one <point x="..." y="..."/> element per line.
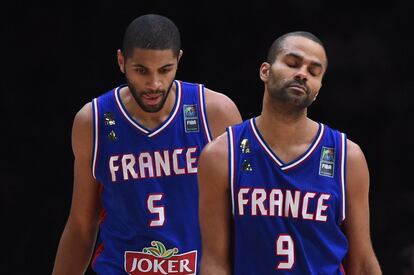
<point x="95" y="136"/>
<point x="231" y="163"/>
<point x="204" y="119"/>
<point x="343" y="173"/>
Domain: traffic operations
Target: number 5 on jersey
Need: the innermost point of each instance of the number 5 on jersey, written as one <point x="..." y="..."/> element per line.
<point x="152" y="202"/>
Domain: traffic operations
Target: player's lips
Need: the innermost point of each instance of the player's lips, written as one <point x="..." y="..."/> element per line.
<point x="298" y="87"/>
<point x="152" y="99"/>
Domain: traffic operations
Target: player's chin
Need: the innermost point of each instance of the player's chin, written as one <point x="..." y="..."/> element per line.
<point x="302" y="102"/>
<point x="153" y="108"/>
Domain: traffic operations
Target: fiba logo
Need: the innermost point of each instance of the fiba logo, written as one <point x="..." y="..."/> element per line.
<point x="191" y="118"/>
<point x="327" y="162"/>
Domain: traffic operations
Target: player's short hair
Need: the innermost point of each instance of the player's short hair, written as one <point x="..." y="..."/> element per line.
<point x="276" y="47"/>
<point x="151" y="31"/>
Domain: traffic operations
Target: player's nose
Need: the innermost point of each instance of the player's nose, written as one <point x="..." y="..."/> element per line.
<point x="154" y="82"/>
<point x="302" y="73"/>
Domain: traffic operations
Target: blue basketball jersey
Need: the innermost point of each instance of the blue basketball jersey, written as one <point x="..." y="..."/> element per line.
<point x="149" y="185"/>
<point x="287" y="216"/>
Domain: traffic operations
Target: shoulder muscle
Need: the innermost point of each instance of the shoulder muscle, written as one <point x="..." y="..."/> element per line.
<point x="221" y="112"/>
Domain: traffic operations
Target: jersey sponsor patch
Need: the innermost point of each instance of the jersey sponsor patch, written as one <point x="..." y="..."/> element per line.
<point x="191" y="118"/>
<point x="327" y="162"/>
<point x="157" y="259"/>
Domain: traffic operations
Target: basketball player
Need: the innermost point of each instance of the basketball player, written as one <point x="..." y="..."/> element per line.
<point x="281" y="193"/>
<point x="136" y="150"/>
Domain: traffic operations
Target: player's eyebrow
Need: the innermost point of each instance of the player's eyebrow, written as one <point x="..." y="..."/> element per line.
<point x="143" y="66"/>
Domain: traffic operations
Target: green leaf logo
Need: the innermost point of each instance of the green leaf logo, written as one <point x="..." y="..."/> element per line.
<point x="158" y="250"/>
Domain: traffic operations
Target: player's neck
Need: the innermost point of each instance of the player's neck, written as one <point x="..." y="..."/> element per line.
<point x="147" y="119"/>
<point x="286" y="124"/>
<point x="288" y="139"/>
<point x="282" y="127"/>
<point x="282" y="113"/>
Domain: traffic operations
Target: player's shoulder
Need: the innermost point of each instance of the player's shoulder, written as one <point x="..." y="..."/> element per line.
<point x="242" y="125"/>
<point x="212" y="97"/>
<point x="82" y="131"/>
<point x="217" y="147"/>
<point x="354" y="151"/>
<point x="220" y="106"/>
<point x="217" y="100"/>
<point x="221" y="111"/>
<point x="328" y="127"/>
<point x="187" y="84"/>
<point x="214" y="158"/>
<point x="85" y="113"/>
<point x="83" y="120"/>
<point x="354" y="154"/>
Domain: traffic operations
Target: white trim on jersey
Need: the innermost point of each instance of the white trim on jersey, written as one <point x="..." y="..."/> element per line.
<point x="118" y="102"/>
<point x="177" y="107"/>
<point x="231" y="168"/>
<point x="263" y="144"/>
<point x="272" y="154"/>
<point x="164" y="125"/>
<point x="203" y="112"/>
<point x="96" y="136"/>
<point x="310" y="151"/>
<point x="343" y="163"/>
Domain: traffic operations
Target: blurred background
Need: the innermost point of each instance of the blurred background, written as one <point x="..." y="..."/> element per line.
<point x="58" y="56"/>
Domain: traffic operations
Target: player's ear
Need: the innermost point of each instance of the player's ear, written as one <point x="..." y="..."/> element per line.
<point x="264" y="71"/>
<point x="180" y="54"/>
<point x="121" y="60"/>
<point x="315" y="96"/>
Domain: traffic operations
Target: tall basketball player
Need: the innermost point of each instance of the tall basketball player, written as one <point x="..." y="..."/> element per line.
<point x="136" y="151"/>
<point x="281" y="193"/>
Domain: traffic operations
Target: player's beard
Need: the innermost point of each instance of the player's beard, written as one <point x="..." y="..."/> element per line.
<point x="149" y="108"/>
<point x="281" y="92"/>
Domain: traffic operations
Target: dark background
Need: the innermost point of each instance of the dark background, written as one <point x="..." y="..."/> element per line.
<point x="58" y="56"/>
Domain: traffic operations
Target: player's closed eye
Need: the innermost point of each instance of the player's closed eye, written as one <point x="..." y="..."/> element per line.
<point x="315" y="70"/>
<point x="292" y="63"/>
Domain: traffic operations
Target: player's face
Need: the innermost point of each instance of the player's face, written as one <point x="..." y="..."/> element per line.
<point x="296" y="75"/>
<point x="149" y="75"/>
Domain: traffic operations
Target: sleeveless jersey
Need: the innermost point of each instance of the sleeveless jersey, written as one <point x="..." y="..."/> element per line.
<point x="287" y="216"/>
<point x="149" y="222"/>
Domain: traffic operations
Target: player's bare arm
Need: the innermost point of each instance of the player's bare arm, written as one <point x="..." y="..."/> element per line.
<point x="77" y="242"/>
<point x="361" y="258"/>
<point x="221" y="112"/>
<point x="215" y="210"/>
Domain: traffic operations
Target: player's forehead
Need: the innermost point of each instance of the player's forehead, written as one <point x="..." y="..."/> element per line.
<point x="152" y="58"/>
<point x="304" y="48"/>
